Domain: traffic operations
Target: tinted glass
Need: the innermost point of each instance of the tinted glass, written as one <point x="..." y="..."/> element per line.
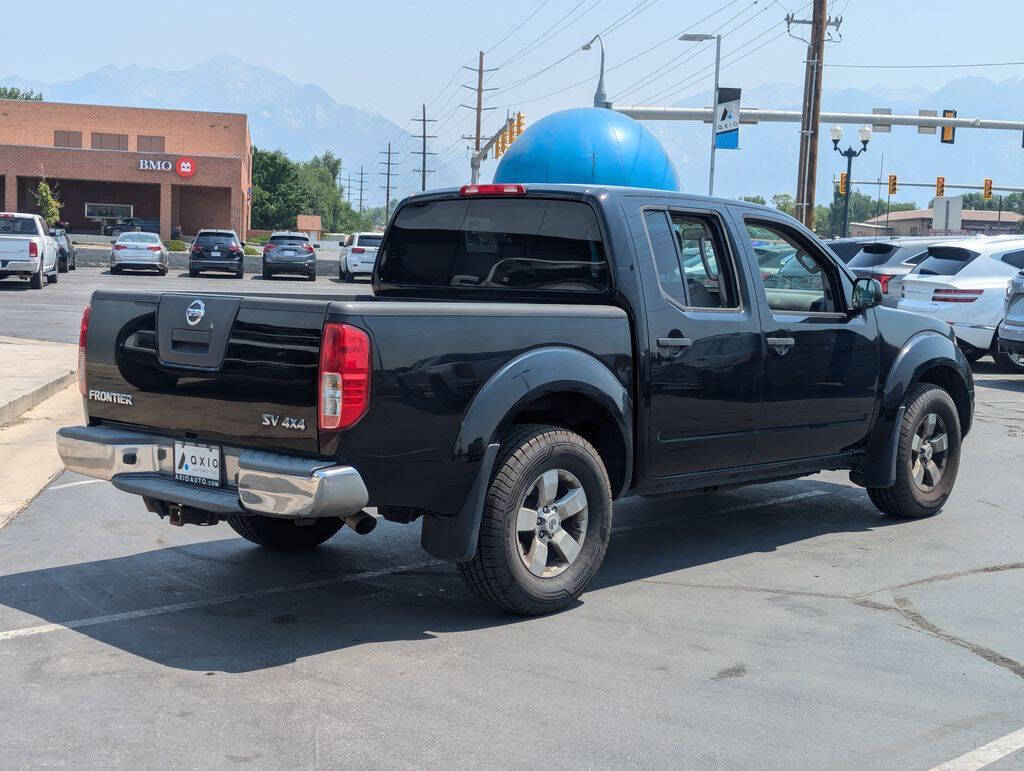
<point x="666" y="259"/>
<point x="872" y="255"/>
<point x="917" y="259"/>
<point x="22" y="226"/>
<point x="214" y="239"/>
<point x="370" y="241"/>
<point x="945" y="261"/>
<point x="801" y="283"/>
<point x="845" y="250"/>
<point x="1016" y="259"/>
<point x="139" y="238"/>
<point x="292" y="240"/>
<point x="699" y="249"/>
<point x="511" y="243"/>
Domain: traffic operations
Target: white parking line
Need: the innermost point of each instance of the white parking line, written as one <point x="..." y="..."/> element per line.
<point x="76" y="484"/>
<point x="255" y="594"/>
<point x="989" y="753"/>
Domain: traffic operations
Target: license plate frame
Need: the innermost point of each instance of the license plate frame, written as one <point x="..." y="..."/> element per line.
<point x="215" y="254"/>
<point x="193" y="457"/>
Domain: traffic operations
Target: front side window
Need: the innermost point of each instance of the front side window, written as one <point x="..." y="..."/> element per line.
<point x="802" y="282"/>
<point x="507" y="243"/>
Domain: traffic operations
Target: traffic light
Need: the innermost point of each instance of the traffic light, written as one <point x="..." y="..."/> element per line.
<point x="499" y="146"/>
<point x="986" y="190"/>
<point x="940" y="187"/>
<point x="520" y="124"/>
<point x="947" y="134"/>
<point x="510" y="127"/>
<point x="893" y="187"/>
<point x="842" y="183"/>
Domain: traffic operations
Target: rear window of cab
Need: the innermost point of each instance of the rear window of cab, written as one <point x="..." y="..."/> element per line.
<point x="530" y="244"/>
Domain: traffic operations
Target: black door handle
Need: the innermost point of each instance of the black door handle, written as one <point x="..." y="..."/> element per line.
<point x="674" y="342"/>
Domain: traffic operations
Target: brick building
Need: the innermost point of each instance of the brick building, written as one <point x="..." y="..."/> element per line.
<point x="179" y="167"/>
<point x="919" y="223"/>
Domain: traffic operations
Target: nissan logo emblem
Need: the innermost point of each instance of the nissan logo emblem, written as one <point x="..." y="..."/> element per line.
<point x="194" y="312"/>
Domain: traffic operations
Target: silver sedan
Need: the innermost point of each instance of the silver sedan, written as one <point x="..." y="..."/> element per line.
<point x="138" y="250"/>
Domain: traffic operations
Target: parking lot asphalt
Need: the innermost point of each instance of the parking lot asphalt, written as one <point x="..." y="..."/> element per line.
<point x="53" y="312"/>
<point x="784" y="625"/>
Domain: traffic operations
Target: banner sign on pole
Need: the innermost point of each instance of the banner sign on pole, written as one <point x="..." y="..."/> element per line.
<point x="727" y="121"/>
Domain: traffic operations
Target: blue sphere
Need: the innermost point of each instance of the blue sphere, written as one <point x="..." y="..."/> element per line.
<point x="588" y="145"/>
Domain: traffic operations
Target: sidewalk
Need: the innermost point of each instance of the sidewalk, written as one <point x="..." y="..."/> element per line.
<point x="32" y="371"/>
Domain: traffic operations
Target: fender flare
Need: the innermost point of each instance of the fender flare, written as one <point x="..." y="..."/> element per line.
<point x="923" y="351"/>
<point x="528" y="376"/>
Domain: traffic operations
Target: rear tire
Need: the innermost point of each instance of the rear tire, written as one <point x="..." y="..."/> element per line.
<point x="1009" y="362"/>
<point x="36" y="280"/>
<point x="311" y="275"/>
<point x="345" y="276"/>
<point x="924" y="476"/>
<point x="267" y="275"/>
<point x="240" y="273"/>
<point x="63" y="266"/>
<point x="51" y="278"/>
<point x="114" y="270"/>
<point x="283" y="534"/>
<point x="192" y="273"/>
<point x="519" y="566"/>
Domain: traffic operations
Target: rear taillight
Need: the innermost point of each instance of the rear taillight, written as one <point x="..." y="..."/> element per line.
<point x="83" y="333"/>
<point x="956" y="295"/>
<point x="154" y="248"/>
<point x="197" y="249"/>
<point x="358" y="250"/>
<point x="267" y="248"/>
<point x="119" y="247"/>
<point x="344" y="376"/>
<point x="235" y="249"/>
<point x="307" y="248"/>
<point x="33" y="249"/>
<point x="884" y="281"/>
<point x="468" y="190"/>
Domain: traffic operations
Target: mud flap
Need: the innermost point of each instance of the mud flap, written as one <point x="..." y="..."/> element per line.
<point x="454" y="538"/>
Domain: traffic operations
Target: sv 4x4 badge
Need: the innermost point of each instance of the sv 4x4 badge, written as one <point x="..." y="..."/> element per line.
<point x="298" y="424"/>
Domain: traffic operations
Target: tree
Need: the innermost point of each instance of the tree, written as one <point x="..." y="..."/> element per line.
<point x="48" y="202"/>
<point x="862" y="208"/>
<point x="278" y="194"/>
<point x="784" y="203"/>
<point x="9" y="92"/>
<point x="754" y="199"/>
<point x="323" y="195"/>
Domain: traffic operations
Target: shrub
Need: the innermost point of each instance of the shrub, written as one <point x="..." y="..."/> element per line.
<point x="176" y="246"/>
<point x="252" y="251"/>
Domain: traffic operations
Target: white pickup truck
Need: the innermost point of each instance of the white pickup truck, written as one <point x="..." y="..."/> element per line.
<point x="27" y="249"/>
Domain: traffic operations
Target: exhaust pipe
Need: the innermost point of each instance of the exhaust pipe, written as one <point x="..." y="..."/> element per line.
<point x="361" y="522"/>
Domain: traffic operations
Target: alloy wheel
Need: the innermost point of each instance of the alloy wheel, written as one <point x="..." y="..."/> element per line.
<point x="551" y="523"/>
<point x="928" y="452"/>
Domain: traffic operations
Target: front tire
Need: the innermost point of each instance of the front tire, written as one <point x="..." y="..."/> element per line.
<point x="1009" y="362"/>
<point x="927" y="459"/>
<point x="283" y="534"/>
<point x="546" y="522"/>
<point x="267" y="275"/>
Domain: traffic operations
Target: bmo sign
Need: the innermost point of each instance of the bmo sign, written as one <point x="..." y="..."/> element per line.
<point x="183" y="167"/>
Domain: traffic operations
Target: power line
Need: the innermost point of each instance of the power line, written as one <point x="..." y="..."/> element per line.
<point x="519" y="26"/>
<point x="923" y="66"/>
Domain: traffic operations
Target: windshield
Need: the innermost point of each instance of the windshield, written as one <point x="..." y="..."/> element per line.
<point x="521" y="243"/>
<point x="872" y="255"/>
<point x="139" y="238"/>
<point x="22" y="226"/>
<point x="945" y="261"/>
<point x="370" y="241"/>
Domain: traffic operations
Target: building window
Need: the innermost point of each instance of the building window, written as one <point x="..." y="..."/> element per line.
<point x="67" y="138"/>
<point x="151" y="144"/>
<point x="109" y="141"/>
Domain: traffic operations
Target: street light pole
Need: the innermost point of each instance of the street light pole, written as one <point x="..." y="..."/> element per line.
<point x="694" y="38"/>
<point x="836" y="134"/>
<point x="600" y="97"/>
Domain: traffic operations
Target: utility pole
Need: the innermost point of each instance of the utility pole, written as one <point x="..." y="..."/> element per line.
<point x="362" y="177"/>
<point x="348" y="188"/>
<point x="807" y="170"/>
<point x="479" y="109"/>
<point x="387" y="182"/>
<point x="424" y="136"/>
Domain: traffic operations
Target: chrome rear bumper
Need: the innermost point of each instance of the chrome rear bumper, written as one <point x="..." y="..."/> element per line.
<point x="255" y="482"/>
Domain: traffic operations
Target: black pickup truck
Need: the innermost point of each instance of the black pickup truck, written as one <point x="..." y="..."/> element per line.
<point x="529" y="355"/>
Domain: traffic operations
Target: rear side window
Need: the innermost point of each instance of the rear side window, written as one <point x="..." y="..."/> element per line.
<point x="872" y="255"/>
<point x="945" y="261"/>
<point x="1016" y="259"/>
<point x="370" y="241"/>
<point x="20" y="226"/>
<point x="522" y="243"/>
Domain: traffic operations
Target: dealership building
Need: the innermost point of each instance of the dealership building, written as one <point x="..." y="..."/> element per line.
<point x="177" y="167"/>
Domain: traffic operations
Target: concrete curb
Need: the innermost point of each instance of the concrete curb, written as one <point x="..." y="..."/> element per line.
<point x="14" y="409"/>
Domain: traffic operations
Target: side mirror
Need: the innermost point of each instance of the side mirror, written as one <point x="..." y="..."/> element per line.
<point x="316" y="246"/>
<point x="114" y="241"/>
<point x="242" y="243"/>
<point x="867" y="293"/>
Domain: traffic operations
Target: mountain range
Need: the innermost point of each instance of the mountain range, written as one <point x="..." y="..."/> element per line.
<point x="300" y="118"/>
<point x="304" y="120"/>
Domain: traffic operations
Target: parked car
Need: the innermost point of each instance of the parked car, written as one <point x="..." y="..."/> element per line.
<point x="846" y="248"/>
<point x="27" y="249"/>
<point x="138" y="251"/>
<point x="530" y="354"/>
<point x="890" y="259"/>
<point x="289" y="252"/>
<point x="219" y="250"/>
<point x="358" y="255"/>
<point x="142" y="224"/>
<point x="1011" y="330"/>
<point x="67" y="253"/>
<point x="964" y="283"/>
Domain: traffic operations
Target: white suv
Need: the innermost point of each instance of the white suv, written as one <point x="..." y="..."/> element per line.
<point x="358" y="255"/>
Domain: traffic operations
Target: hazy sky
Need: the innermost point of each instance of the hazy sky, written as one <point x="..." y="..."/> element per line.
<point x="391" y="55"/>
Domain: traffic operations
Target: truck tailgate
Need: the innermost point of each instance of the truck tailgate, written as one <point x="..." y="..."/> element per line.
<point x="208" y="366"/>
